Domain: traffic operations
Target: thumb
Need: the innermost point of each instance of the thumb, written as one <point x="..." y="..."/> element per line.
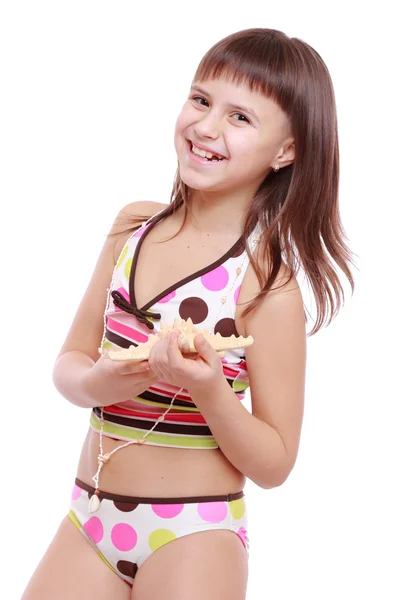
<point x="205" y="349"/>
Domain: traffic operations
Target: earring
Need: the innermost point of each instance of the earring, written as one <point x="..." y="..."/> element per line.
<point x="276" y="169"/>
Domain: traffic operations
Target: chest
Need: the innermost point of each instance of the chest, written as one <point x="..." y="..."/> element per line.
<point x="164" y="263"/>
<point x="186" y="275"/>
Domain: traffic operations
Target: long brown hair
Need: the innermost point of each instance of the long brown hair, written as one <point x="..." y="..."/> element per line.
<point x="297" y="207"/>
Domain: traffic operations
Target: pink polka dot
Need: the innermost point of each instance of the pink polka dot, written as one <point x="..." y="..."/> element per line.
<point x="168" y="297"/>
<point x="212" y="512"/>
<point x="124" y="537"/>
<point x="94" y="529"/>
<point x="242" y="533"/>
<point x="215" y="280"/>
<point x="141" y="231"/>
<point x="167" y="511"/>
<point x="76" y="492"/>
<point x="236" y="294"/>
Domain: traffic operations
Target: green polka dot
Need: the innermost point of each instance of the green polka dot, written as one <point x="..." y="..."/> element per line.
<point x="240" y="386"/>
<point x="128" y="267"/>
<point x="237" y="508"/>
<point x="159" y="537"/>
<point x="122" y="257"/>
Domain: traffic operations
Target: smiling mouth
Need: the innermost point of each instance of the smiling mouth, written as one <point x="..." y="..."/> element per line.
<point x="209" y="156"/>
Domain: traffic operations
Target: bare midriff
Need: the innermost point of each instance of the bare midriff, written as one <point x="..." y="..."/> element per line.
<point x="155" y="471"/>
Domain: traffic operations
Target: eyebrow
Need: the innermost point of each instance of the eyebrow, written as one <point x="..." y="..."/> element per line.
<point x="235" y="106"/>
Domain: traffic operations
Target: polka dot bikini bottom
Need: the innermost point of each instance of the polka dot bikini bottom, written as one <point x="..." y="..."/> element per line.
<point x="126" y="530"/>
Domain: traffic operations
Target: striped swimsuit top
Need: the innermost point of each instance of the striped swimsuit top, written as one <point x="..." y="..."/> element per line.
<point x="207" y="296"/>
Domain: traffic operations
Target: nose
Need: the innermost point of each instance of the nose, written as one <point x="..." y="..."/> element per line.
<point x="208" y="126"/>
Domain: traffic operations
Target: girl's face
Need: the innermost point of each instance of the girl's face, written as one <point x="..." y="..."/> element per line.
<point x="247" y="134"/>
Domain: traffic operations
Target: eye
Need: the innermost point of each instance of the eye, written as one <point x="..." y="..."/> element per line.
<point x="246" y="120"/>
<point x="198" y="99"/>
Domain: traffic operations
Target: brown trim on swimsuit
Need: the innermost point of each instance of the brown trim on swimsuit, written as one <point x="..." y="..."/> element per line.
<point x="145" y="500"/>
<point x="142" y="313"/>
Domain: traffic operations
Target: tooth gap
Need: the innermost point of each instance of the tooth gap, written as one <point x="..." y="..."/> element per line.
<point x="213" y="158"/>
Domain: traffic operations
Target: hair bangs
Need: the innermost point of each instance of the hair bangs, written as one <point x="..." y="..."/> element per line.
<point x="260" y="60"/>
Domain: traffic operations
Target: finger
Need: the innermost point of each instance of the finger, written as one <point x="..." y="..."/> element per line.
<point x="132" y="366"/>
<point x="205" y="350"/>
<point x="158" y="359"/>
<point x="155" y="364"/>
<point x="174" y="354"/>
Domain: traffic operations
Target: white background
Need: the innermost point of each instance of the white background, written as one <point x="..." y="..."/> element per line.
<point x="90" y="92"/>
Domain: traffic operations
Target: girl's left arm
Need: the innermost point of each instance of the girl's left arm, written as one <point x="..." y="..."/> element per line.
<point x="264" y="445"/>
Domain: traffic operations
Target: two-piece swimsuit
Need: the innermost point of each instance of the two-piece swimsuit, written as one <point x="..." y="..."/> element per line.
<point x="126" y="530"/>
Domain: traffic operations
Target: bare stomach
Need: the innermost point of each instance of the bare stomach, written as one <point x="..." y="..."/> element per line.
<point x="157" y="471"/>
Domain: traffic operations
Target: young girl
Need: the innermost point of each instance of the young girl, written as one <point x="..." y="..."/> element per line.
<point x="159" y="487"/>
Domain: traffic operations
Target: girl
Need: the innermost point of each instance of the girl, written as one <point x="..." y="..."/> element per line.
<point x="159" y="487"/>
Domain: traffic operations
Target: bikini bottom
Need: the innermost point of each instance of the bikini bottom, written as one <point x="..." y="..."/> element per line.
<point x="126" y="530"/>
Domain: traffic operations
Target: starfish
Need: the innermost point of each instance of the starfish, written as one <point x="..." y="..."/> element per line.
<point x="185" y="341"/>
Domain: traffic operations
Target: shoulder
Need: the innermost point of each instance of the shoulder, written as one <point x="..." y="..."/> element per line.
<point x="135" y="213"/>
<point x="130" y="217"/>
<point x="278" y="322"/>
<point x="285" y="293"/>
<point x="279" y="318"/>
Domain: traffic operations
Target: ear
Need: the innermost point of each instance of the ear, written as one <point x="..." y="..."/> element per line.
<point x="286" y="154"/>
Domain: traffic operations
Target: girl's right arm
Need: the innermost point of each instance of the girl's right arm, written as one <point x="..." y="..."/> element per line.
<point x="79" y="374"/>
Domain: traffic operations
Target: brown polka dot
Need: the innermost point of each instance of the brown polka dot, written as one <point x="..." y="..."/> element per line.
<point x="240" y="250"/>
<point x="195" y="308"/>
<point x="125" y="506"/>
<point x="127" y="568"/>
<point x="226" y="327"/>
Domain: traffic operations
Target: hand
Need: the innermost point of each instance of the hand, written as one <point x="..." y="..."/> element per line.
<point x="109" y="382"/>
<point x="198" y="373"/>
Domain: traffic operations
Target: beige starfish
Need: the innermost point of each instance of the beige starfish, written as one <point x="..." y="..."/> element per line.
<point x="185" y="342"/>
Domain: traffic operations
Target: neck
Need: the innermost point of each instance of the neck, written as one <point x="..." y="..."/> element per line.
<point x="216" y="213"/>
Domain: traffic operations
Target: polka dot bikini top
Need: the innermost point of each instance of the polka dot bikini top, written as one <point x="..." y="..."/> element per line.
<point x="208" y="296"/>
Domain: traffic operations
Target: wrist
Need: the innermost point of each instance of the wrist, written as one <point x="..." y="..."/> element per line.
<point x="214" y="388"/>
